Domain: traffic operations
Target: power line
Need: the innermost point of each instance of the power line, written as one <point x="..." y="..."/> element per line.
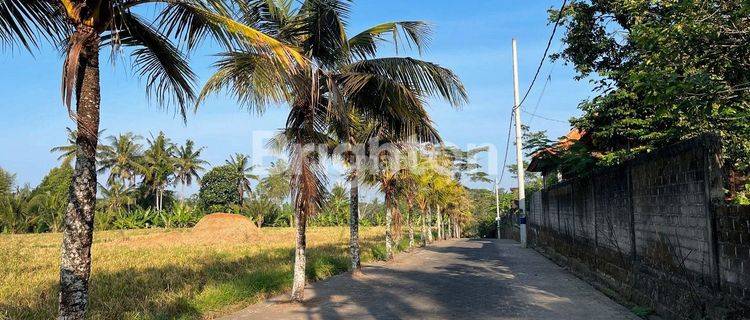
<point x="541" y="95"/>
<point x="544" y="56"/>
<point x="544" y="88"/>
<point x="507" y="148"/>
<point x="543" y="117"/>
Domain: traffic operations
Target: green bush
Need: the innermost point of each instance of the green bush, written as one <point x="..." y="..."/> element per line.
<point x="137" y="219"/>
<point x="322" y="267"/>
<point x="378" y="252"/>
<point x="103" y="219"/>
<point x="403" y="245"/>
<point x="181" y="216"/>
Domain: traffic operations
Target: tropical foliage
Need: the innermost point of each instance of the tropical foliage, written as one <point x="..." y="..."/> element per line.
<point x="276" y="52"/>
<point x="664" y="71"/>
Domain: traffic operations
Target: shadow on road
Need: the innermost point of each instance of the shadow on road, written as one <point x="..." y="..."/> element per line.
<point x="477" y="279"/>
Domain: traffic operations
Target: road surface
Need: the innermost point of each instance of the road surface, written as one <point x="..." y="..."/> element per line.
<point x="454" y="279"/>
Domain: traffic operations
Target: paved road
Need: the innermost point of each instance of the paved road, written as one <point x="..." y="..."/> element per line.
<point x="454" y="279"/>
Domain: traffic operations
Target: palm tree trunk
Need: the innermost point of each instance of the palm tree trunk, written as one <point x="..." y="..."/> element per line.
<point x="156" y="199"/>
<point x="448" y="224"/>
<point x="242" y="192"/>
<point x="75" y="262"/>
<point x="389" y="207"/>
<point x="354" y="223"/>
<point x="424" y="228"/>
<point x="430" y="237"/>
<point x="411" y="229"/>
<point x="298" y="284"/>
<point x="439" y="223"/>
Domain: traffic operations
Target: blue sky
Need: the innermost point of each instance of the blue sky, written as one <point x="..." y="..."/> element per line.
<point x="473" y="38"/>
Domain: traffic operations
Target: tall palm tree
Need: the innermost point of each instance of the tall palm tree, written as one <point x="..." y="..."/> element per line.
<point x="430" y="174"/>
<point x="81" y="28"/>
<point x="158" y="167"/>
<point x="393" y="175"/>
<point x="188" y="163"/>
<point x="408" y="188"/>
<point x="243" y="170"/>
<point x="276" y="183"/>
<point x="121" y="158"/>
<point x="354" y="134"/>
<point x="440" y="196"/>
<point x="343" y="75"/>
<point x="387" y="179"/>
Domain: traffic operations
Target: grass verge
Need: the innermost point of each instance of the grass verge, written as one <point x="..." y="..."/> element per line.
<point x="142" y="274"/>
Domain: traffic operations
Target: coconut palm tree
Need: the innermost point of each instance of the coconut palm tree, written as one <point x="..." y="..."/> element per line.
<point x="431" y="175"/>
<point x="276" y="183"/>
<point x="117" y="196"/>
<point x="408" y="188"/>
<point x="188" y="163"/>
<point x="158" y="166"/>
<point x="387" y="180"/>
<point x="67" y="151"/>
<point x="81" y="28"/>
<point x="384" y="169"/>
<point x="240" y="163"/>
<point x="356" y="132"/>
<point x="121" y="158"/>
<point x="440" y="198"/>
<point x="343" y="75"/>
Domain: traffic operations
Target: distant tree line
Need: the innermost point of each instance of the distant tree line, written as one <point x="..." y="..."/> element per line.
<point x="144" y="187"/>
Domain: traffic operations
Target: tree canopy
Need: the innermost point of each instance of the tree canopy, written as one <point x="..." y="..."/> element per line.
<point x="219" y="188"/>
<point x="664" y="71"/>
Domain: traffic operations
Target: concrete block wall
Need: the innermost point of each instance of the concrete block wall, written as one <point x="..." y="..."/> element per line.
<point x="653" y="229"/>
<point x="734" y="251"/>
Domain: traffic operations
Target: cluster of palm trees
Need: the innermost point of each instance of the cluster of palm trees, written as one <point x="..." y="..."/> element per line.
<point x="276" y="51"/>
<point x="423" y="181"/>
<point x="126" y="162"/>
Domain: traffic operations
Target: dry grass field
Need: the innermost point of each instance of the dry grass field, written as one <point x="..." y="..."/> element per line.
<point x="169" y="274"/>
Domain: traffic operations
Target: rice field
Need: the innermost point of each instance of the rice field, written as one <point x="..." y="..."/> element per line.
<point x="166" y="274"/>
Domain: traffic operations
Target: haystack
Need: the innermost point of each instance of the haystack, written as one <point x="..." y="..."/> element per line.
<point x="225" y="227"/>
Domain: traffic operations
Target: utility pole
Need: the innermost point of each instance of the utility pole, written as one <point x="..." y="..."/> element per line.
<point x="519" y="148"/>
<point x="497" y="206"/>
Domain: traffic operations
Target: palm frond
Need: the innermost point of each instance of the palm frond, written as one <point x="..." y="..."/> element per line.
<point x="254" y="80"/>
<point x="323" y="24"/>
<point x="390" y="106"/>
<point x="192" y="20"/>
<point x="272" y="17"/>
<point x="23" y="21"/>
<point x="416" y="34"/>
<point x="424" y="78"/>
<point x="307" y="180"/>
<point x="167" y="73"/>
